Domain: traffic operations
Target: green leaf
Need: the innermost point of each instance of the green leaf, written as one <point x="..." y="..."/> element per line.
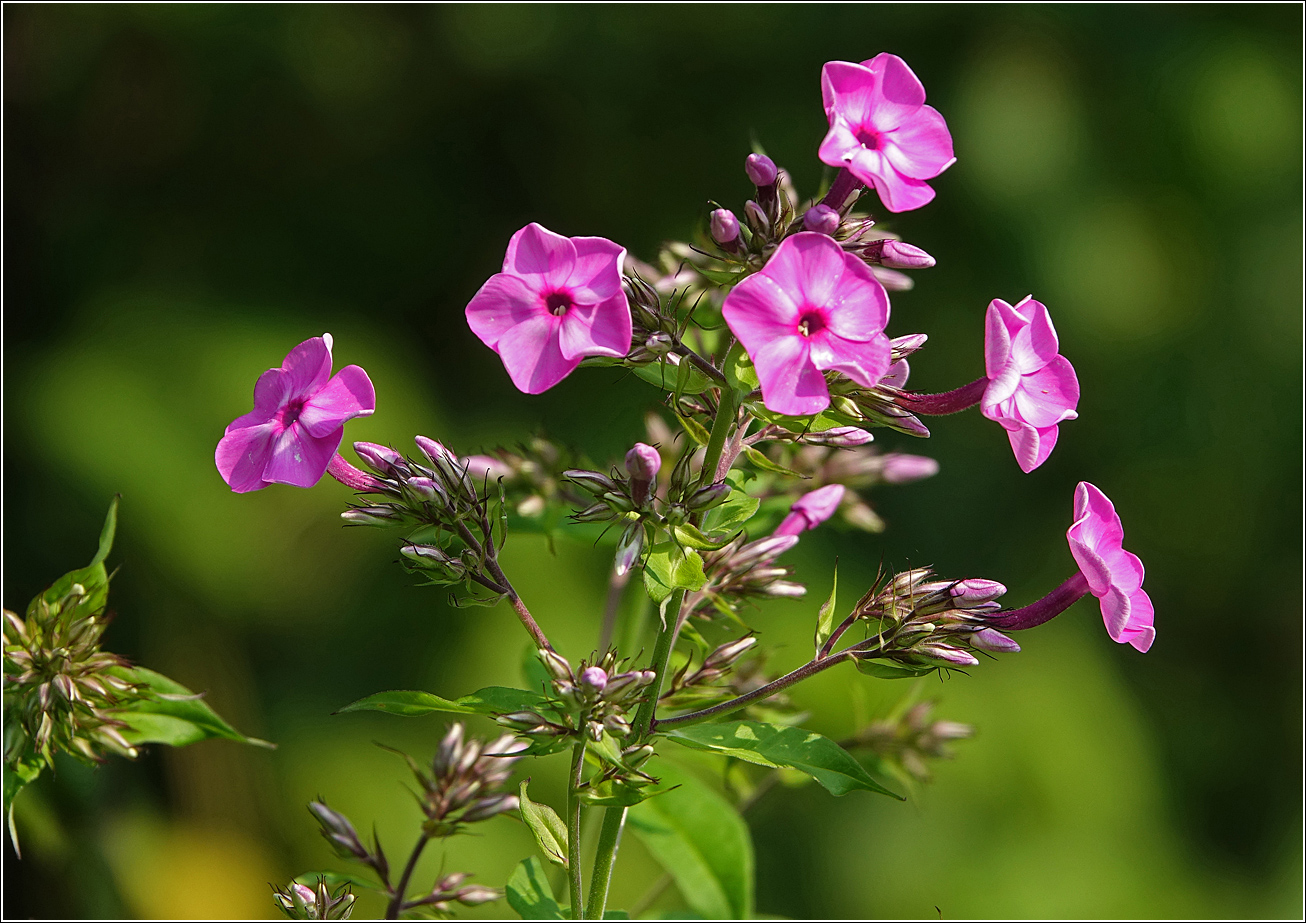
<point x="530" y="894"/>
<point x="18" y="774"/>
<point x="721" y="276"/>
<point x="759" y="460"/>
<point x="492" y="700"/>
<point x="546" y="826"/>
<point x="107" y="532"/>
<point x="670" y="567"/>
<point x="697" y="431"/>
<point x="682" y="378"/>
<point x="621" y="793"/>
<point x="788" y="747"/>
<point x="691" y="537"/>
<point x="700" y="839"/>
<point x="887" y="669"/>
<point x="740" y="372"/>
<point x="728" y="518"/>
<point x="169" y="713"/>
<point x="93" y="578"/>
<point x="825" y="617"/>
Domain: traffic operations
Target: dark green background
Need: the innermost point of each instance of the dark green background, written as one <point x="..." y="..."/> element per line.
<point x="189" y="191"/>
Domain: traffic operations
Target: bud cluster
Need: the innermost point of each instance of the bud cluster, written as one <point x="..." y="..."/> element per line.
<point x="910" y="739"/>
<point x="300" y="902"/>
<point x="593" y="700"/>
<point x="463" y="783"/>
<point x="450" y="889"/>
<point x="744" y="570"/>
<point x="694" y="689"/>
<point x="924" y="623"/>
<point x="59" y="684"/>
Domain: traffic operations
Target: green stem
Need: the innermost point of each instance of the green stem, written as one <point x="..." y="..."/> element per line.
<point x="667" y="632"/>
<point x="609" y="841"/>
<point x="573" y="828"/>
<point x="726" y="411"/>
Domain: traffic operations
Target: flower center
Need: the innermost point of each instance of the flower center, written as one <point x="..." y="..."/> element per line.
<point x="558" y="303"/>
<point x="871" y="139"/>
<point x="290" y="413"/>
<point x="812" y="322"/>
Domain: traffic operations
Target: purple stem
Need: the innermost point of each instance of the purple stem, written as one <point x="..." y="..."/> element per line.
<point x="350" y="476"/>
<point x="937" y="405"/>
<point x="843" y="186"/>
<point x="1046" y="609"/>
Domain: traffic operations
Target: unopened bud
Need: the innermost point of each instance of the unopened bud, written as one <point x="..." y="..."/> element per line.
<point x="893" y="280"/>
<point x="599" y="512"/>
<point x="994" y="641"/>
<point x="725" y="228"/>
<point x="594" y="677"/>
<point x="763" y="549"/>
<point x="822" y="219"/>
<point x="843" y="437"/>
<point x="425" y="488"/>
<point x="643" y="462"/>
<point x="976" y="590"/>
<point x="556" y="664"/>
<point x="659" y="344"/>
<point x="760" y="169"/>
<point x="951" y="730"/>
<point x="481" y="467"/>
<point x="906" y="345"/>
<point x="435" y="451"/>
<point x="370" y="516"/>
<point x="637" y="758"/>
<point x="786" y="588"/>
<point x="426" y="554"/>
<point x="489" y="807"/>
<point x="727" y="654"/>
<point x="616" y="725"/>
<point x="379" y="458"/>
<point x="628" y="550"/>
<point x="305" y="893"/>
<point x="592" y="481"/>
<point x="472" y="895"/>
<point x="708" y="497"/>
<point x="901" y="468"/>
<point x="897" y="255"/>
<point x="948" y="654"/>
<point x="757" y="219"/>
<point x="451" y="746"/>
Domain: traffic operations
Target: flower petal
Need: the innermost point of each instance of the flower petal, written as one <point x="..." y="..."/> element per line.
<point x="532" y="356"/>
<point x="537" y="251"/>
<point x="820" y="504"/>
<point x="299" y="459"/>
<point x="503" y="302"/>
<point x="347" y="395"/>
<point x="864" y="362"/>
<point x="271" y="392"/>
<point x="756" y="309"/>
<point x="243" y="453"/>
<point x="999" y="321"/>
<point x="898" y="193"/>
<point x="596" y="330"/>
<point x="897" y="94"/>
<point x="859" y="308"/>
<point x="849" y="90"/>
<point x="1096" y="521"/>
<point x="307" y="367"/>
<point x="1031" y="445"/>
<point x="1048" y="396"/>
<point x="1035" y="344"/>
<point x="1139" y="631"/>
<point x="1116" y="610"/>
<point x="790" y="383"/>
<point x="1091" y="565"/>
<point x="839" y="144"/>
<point x="807" y="267"/>
<point x="596" y="274"/>
<point x="921" y="147"/>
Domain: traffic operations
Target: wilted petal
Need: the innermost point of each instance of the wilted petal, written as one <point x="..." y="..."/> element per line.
<point x="347" y="395"/>
<point x="532" y="356"/>
<point x="242" y="455"/>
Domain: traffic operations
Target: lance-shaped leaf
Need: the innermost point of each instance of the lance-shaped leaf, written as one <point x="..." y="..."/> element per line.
<point x="492" y="700"/>
<point x="727" y="519"/>
<point x="700" y="839"/>
<point x="682" y="378"/>
<point x="546" y="826"/>
<point x="169" y="713"/>
<point x="530" y="894"/>
<point x="93" y="578"/>
<point x="783" y="747"/>
<point x="825" y="618"/>
<point x="888" y="669"/>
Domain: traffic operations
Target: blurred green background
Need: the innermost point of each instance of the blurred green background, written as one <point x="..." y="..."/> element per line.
<point x="192" y="190"/>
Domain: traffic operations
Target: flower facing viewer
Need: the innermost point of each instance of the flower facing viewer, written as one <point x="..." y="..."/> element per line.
<point x="882" y="131"/>
<point x="811" y="308"/>
<point x="298" y="420"/>
<point x="558" y="300"/>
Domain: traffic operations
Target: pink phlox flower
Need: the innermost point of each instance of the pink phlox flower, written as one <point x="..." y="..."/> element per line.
<point x="297" y="423"/>
<point x="812" y="307"/>
<point x="1114" y="576"/>
<point x="1031" y="387"/>
<point x="558" y="300"/>
<point x="882" y="131"/>
<point x="811" y="510"/>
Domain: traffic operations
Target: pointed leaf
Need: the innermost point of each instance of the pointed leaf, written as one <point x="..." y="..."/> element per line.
<point x="169" y="713"/>
<point x="492" y="700"/>
<point x="788" y="747"/>
<point x="670" y="568"/>
<point x="546" y="826"/>
<point x="759" y="460"/>
<point x="825" y="618"/>
<point x="682" y="378"/>
<point x="530" y="894"/>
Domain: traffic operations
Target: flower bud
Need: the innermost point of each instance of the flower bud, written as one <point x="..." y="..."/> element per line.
<point x="628" y="550"/>
<point x="760" y="169"/>
<point x="727" y="654"/>
<point x="993" y="641"/>
<point x="893" y="280"/>
<point x="725" y="228"/>
<point x="379" y="458"/>
<point x="707" y="497"/>
<point x="556" y="664"/>
<point x="426" y="554"/>
<point x="948" y="654"/>
<point x="757" y="219"/>
<point x="659" y="344"/>
<point x="786" y="588"/>
<point x="304" y="891"/>
<point x="472" y="895"/>
<point x="594" y="677"/>
<point x="821" y="219"/>
<point x="616" y="725"/>
<point x="337" y="829"/>
<point x="843" y="437"/>
<point x="424" y="488"/>
<point x="764" y="549"/>
<point x="592" y="481"/>
<point x="488" y="807"/>
<point x="901" y="468"/>
<point x="903" y="346"/>
<point x="976" y="590"/>
<point x="897" y="255"/>
<point x="435" y="451"/>
<point x="637" y="758"/>
<point x="370" y="516"/>
<point x="643" y="462"/>
<point x="486" y="467"/>
<point x="599" y="512"/>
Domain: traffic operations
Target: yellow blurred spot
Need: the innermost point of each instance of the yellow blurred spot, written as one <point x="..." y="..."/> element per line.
<point x="176" y="872"/>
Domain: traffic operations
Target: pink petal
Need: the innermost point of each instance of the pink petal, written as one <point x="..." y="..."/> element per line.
<point x="1091" y="565"/>
<point x="808" y="268"/>
<point x="596" y="275"/>
<point x="995" y="403"/>
<point x="898" y="94"/>
<point x="859" y="309"/>
<point x="596" y="330"/>
<point x="531" y="354"/>
<point x="1096" y="520"/>
<point x="898" y="193"/>
<point x="347" y="395"/>
<point x="1035" y="344"/>
<point x="820" y="504"/>
<point x="243" y="453"/>
<point x="271" y="392"/>
<point x="849" y="91"/>
<point x="1031" y="445"/>
<point x="1139" y="631"/>
<point x="922" y="146"/>
<point x="299" y="459"/>
<point x="1049" y="396"/>
<point x="865" y="363"/>
<point x="756" y="309"/>
<point x="1116" y="611"/>
<point x="307" y="367"/>
<point x="503" y="302"/>
<point x="792" y="524"/>
<point x="897" y="375"/>
<point x="839" y="145"/>
<point x="790" y="383"/>
<point x="537" y="251"/>
<point x="998" y="325"/>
